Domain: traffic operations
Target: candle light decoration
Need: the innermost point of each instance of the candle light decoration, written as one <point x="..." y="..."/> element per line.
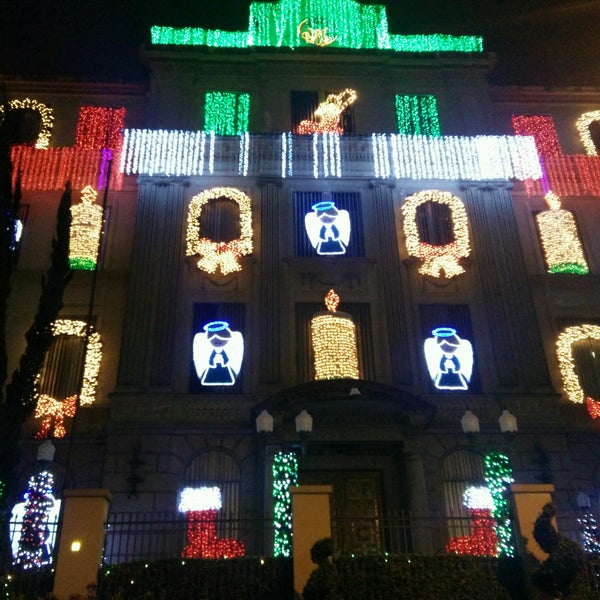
<point x="333" y="336"/>
<point x="201" y="506"/>
<point x="583" y="126"/>
<point x="560" y="239"/>
<point x="443" y="258"/>
<point x="328" y="114"/>
<point x="36" y="520"/>
<point x="46" y="116"/>
<point x="86" y="228"/>
<point x="321" y="23"/>
<point x="219" y="255"/>
<point x="566" y="360"/>
<point x="482" y="541"/>
<point x="285" y="475"/>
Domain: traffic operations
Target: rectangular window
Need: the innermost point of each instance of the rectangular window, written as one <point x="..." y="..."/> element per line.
<point x="448" y="348"/>
<point x="226" y="113"/>
<point x="217" y="355"/>
<point x="340" y="235"/>
<point x="62" y="372"/>
<point x="361" y="316"/>
<point x="303" y="105"/>
<point x="418" y="115"/>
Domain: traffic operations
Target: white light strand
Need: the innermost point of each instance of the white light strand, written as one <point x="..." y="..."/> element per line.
<point x="315" y="149"/>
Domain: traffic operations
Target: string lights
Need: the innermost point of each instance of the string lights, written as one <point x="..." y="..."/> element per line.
<point x="226" y="113"/>
<point x="100" y="127"/>
<point x="219" y="255"/>
<point x="443" y="258"/>
<point x="93" y="356"/>
<point x="86" y="227"/>
<point x="482" y="541"/>
<point x="201" y="506"/>
<point x="333" y="336"/>
<point x="181" y="153"/>
<point x="583" y="126"/>
<point x="498" y="477"/>
<point x="328" y="114"/>
<point x="543" y="131"/>
<point x="53" y="412"/>
<point x="560" y="239"/>
<point x="285" y="475"/>
<point x="322" y="23"/>
<point x="35" y="540"/>
<point x="46" y="116"/>
<point x="418" y="115"/>
<point x="588" y="529"/>
<point x="566" y="359"/>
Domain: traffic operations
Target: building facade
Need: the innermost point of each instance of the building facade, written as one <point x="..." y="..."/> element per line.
<point x="456" y="224"/>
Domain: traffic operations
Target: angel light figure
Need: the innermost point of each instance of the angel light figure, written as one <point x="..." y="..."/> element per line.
<point x="449" y="359"/>
<point x="218" y="354"/>
<point x="328" y="228"/>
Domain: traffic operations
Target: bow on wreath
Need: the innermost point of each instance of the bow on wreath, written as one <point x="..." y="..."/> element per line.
<point x="51" y="410"/>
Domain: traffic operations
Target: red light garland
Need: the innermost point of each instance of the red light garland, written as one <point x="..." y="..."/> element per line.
<point x="482" y="541"/>
<point x="100" y="127"/>
<point x="593" y="407"/>
<point x="202" y="538"/>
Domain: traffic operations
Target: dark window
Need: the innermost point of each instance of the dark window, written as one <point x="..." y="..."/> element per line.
<point x="347" y="201"/>
<point x="434" y="223"/>
<point x="458" y="318"/>
<point x="220" y="220"/>
<point x="62" y="372"/>
<point x="594" y="129"/>
<point x="204" y="313"/>
<point x="586" y="356"/>
<point x="361" y="316"/>
<point x="303" y="105"/>
<point x="21" y="126"/>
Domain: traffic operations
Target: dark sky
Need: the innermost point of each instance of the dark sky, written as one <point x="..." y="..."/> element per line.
<point x="540" y="42"/>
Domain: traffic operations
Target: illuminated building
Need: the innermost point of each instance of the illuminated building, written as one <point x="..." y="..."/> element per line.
<point x="315" y="150"/>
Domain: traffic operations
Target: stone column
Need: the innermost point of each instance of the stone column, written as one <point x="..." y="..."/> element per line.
<point x="311" y="522"/>
<point x="81" y="541"/>
<point x="418" y="504"/>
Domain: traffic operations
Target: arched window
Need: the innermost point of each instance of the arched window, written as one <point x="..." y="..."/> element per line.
<point x="588" y="126"/>
<point x="26" y="121"/>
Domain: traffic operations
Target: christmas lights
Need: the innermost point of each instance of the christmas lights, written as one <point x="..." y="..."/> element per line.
<point x="226" y="113"/>
<point x="442" y="258"/>
<point x="159" y="152"/>
<point x="285" y="475"/>
<point x="46" y="116"/>
<point x="498" y="477"/>
<point x="566" y="361"/>
<point x="54" y="411"/>
<point x="86" y="227"/>
<point x="93" y="355"/>
<point x="482" y="541"/>
<point x="34" y="539"/>
<point x="333" y="336"/>
<point x="543" y="131"/>
<point x="218" y="354"/>
<point x="328" y="228"/>
<point x="588" y="529"/>
<point x="593" y="407"/>
<point x="560" y="239"/>
<point x="449" y="359"/>
<point x="328" y="114"/>
<point x="583" y="126"/>
<point x="321" y="23"/>
<point x="200" y="506"/>
<point x="219" y="255"/>
<point x="418" y="115"/>
<point x="100" y="127"/>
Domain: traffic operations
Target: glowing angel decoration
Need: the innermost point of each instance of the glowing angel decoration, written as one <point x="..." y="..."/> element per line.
<point x="328" y="114"/>
<point x="328" y="228"/>
<point x="218" y="354"/>
<point x="449" y="359"/>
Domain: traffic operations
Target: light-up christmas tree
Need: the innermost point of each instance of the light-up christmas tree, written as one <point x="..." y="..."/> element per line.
<point x="285" y="475"/>
<point x="498" y="477"/>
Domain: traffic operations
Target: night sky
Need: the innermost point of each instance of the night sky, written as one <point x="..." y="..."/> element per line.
<point x="538" y="42"/>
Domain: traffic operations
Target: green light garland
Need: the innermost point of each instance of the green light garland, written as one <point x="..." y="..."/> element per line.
<point x="285" y="474"/>
<point x="418" y="115"/>
<point x="226" y="113"/>
<point x="498" y="477"/>
<point x="297" y="23"/>
<point x="82" y="263"/>
<point x="572" y="268"/>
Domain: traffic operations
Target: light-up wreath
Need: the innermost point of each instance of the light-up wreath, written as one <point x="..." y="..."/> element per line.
<point x="219" y="255"/>
<point x="566" y="362"/>
<point x="44" y="111"/>
<point x="583" y="126"/>
<point x="437" y="258"/>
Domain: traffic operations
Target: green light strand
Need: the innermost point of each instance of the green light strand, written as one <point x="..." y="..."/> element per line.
<point x="226" y="113"/>
<point x="285" y="475"/>
<point x="572" y="268"/>
<point x="82" y="263"/>
<point x="418" y="115"/>
<point x="498" y="477"/>
<point x="298" y="23"/>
